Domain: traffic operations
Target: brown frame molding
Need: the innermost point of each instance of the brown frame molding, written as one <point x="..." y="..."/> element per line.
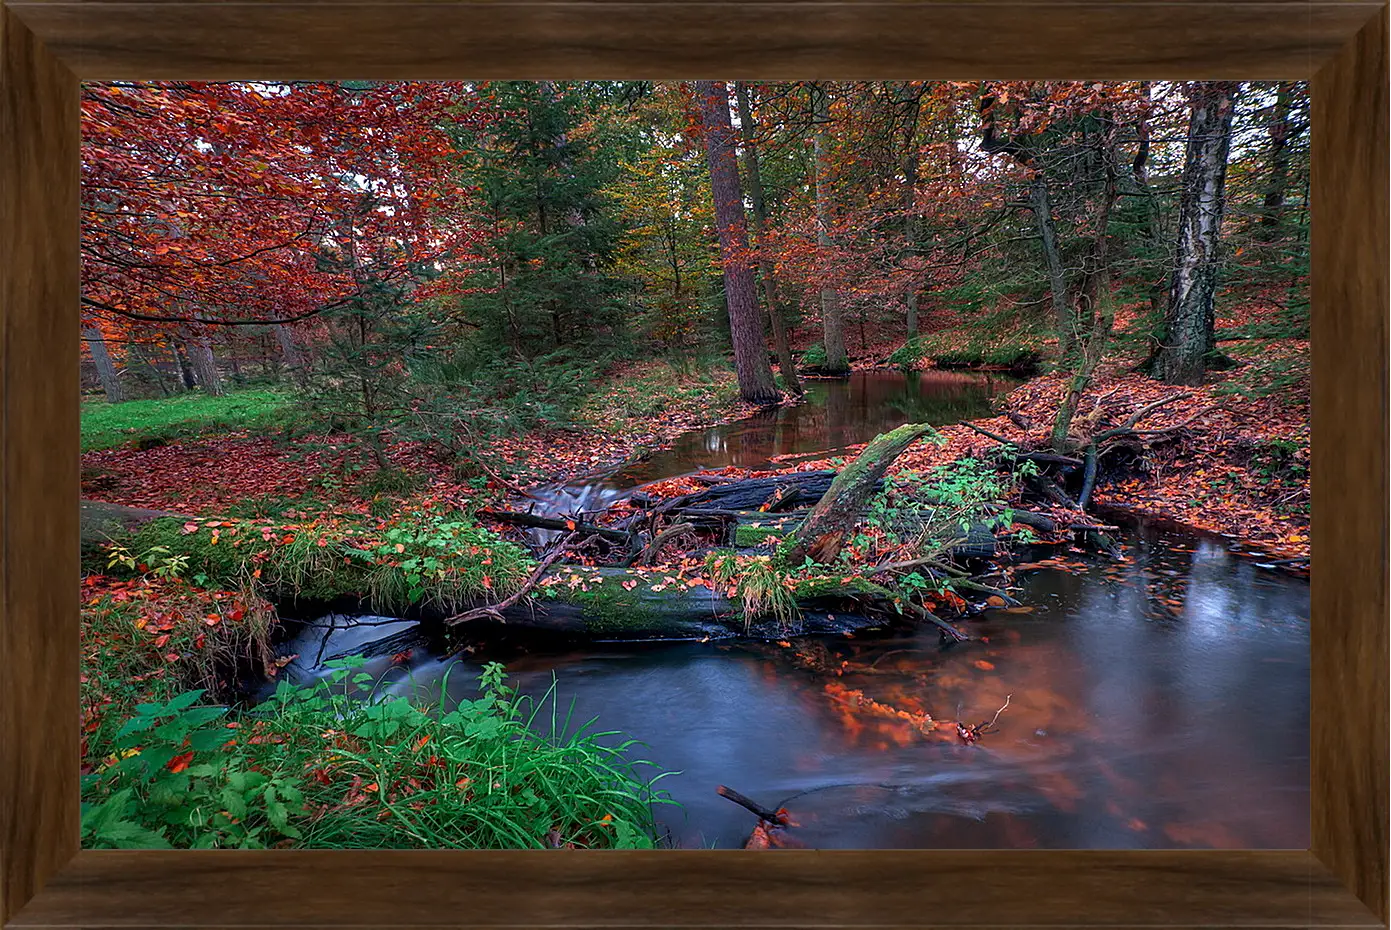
<point x="48" y="46"/>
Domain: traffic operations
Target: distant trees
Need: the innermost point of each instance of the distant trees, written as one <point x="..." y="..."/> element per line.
<point x="539" y="169"/>
<point x="239" y="230"/>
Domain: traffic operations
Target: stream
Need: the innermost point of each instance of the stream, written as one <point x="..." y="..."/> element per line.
<point x="1161" y="702"/>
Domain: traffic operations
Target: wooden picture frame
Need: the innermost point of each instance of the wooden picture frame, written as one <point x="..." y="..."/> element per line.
<point x="48" y="46"/>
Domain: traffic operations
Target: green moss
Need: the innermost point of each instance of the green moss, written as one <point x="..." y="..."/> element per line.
<point x="610" y="610"/>
<point x="833" y="585"/>
<point x="747" y="535"/>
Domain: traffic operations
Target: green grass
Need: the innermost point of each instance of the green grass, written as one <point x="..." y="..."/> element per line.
<point x="338" y="764"/>
<point x="105" y="426"/>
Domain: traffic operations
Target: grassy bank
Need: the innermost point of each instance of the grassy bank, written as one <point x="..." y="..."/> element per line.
<point x="334" y="764"/>
<point x="106" y="426"/>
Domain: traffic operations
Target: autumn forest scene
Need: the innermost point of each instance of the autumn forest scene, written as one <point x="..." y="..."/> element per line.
<point x="712" y="464"/>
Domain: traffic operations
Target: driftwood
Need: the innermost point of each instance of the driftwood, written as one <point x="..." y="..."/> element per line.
<point x="650" y="550"/>
<point x="495" y="611"/>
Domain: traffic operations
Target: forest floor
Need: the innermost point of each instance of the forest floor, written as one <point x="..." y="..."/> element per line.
<point x="1240" y="468"/>
<point x="213" y="462"/>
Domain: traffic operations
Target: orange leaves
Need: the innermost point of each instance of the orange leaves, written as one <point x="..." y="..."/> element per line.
<point x="180" y="762"/>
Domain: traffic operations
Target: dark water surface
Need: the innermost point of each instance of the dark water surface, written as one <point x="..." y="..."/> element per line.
<point x="1161" y="702"/>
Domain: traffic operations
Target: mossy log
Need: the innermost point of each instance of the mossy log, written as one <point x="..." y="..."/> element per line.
<point x="823" y="532"/>
<point x="100" y="522"/>
<point x="596" y="602"/>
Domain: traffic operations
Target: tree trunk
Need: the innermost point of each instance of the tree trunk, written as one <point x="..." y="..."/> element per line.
<point x="106" y="369"/>
<point x="745" y="328"/>
<point x="205" y="365"/>
<point x="294" y="358"/>
<point x="910" y="205"/>
<point x="1154" y="227"/>
<point x="833" y="335"/>
<point x="185" y="369"/>
<point x="1057" y="277"/>
<point x="1188" y="328"/>
<point x="823" y="533"/>
<point x="786" y="364"/>
<point x="1280" y="138"/>
<point x="1097" y="306"/>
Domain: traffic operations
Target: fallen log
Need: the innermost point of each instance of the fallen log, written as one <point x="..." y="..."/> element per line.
<point x="752" y="493"/>
<point x="100" y="522"/>
<point x="555" y="523"/>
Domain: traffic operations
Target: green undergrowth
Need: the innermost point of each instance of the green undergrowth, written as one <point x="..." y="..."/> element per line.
<point x="339" y="764"/>
<point x="105" y="425"/>
<point x="149" y="638"/>
<point x="440" y="561"/>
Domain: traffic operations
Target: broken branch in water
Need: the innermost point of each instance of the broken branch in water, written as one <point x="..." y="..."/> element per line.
<point x="495" y="610"/>
<point x="778" y="816"/>
<point x="971" y="734"/>
<point x="998" y="712"/>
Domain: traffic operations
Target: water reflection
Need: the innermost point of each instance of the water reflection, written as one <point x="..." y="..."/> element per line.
<point x="1132" y="723"/>
<point x="836" y="414"/>
<point x="1160" y="702"/>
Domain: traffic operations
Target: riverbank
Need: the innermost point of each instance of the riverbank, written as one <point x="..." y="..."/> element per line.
<point x="441" y="549"/>
<point x="203" y="465"/>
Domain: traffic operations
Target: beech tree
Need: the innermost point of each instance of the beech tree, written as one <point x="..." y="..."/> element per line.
<point x="746" y="328"/>
<point x="748" y="129"/>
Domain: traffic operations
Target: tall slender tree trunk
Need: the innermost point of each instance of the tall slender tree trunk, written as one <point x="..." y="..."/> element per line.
<point x="106" y="368"/>
<point x="745" y="327"/>
<point x="1154" y="227"/>
<point x="200" y="352"/>
<point x="786" y="364"/>
<point x="832" y="327"/>
<point x="290" y="352"/>
<point x="1097" y="306"/>
<point x="910" y="206"/>
<point x="1188" y="327"/>
<point x="1057" y="277"/>
<point x="1280" y="138"/>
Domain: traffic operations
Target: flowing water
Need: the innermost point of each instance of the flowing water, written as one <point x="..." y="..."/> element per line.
<point x="1161" y="702"/>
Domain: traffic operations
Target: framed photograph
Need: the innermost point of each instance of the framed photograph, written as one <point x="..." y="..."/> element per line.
<point x="515" y="477"/>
